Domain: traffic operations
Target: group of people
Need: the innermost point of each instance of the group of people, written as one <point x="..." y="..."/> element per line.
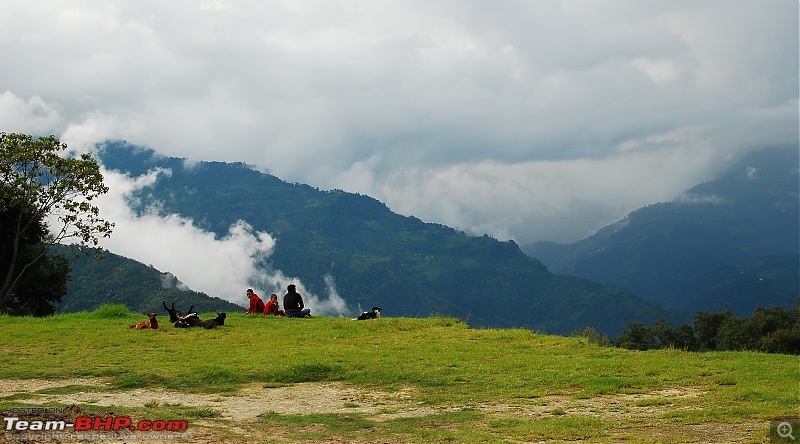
<point x="293" y="305"/>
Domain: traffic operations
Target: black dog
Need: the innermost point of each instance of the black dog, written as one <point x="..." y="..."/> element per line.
<point x="211" y="323"/>
<point x="190" y="320"/>
<point x="374" y="314"/>
<point x="174" y="315"/>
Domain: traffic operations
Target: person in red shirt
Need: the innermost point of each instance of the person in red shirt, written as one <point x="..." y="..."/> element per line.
<point x="272" y="307"/>
<point x="256" y="304"/>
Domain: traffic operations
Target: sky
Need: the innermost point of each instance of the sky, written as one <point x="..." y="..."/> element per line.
<point x="526" y="120"/>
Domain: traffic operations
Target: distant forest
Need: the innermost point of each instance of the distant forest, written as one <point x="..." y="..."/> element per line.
<point x="769" y="330"/>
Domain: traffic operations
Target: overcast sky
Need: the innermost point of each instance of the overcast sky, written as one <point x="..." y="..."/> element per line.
<point x="528" y="120"/>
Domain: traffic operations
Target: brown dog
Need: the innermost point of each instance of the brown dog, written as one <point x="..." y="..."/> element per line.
<point x="152" y="323"/>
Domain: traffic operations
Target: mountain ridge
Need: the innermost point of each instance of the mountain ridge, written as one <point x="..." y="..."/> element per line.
<point x="376" y="257"/>
<point x="661" y="251"/>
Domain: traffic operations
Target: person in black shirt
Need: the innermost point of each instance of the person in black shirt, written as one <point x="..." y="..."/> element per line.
<point x="293" y="304"/>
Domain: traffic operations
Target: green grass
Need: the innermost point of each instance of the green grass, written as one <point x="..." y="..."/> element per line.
<point x="452" y="369"/>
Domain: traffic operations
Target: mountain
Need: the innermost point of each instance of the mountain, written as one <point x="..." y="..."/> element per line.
<point x="714" y="246"/>
<point x="772" y="279"/>
<point x="376" y="257"/>
<point x="118" y="280"/>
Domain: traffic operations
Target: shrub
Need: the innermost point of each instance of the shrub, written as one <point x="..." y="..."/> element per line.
<point x="111" y="311"/>
<point x="592" y="336"/>
<point x="785" y="341"/>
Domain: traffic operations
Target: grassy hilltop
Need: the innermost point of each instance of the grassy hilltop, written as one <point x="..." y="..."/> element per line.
<point x="389" y="380"/>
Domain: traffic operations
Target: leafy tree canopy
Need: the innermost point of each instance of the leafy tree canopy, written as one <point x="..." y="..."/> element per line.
<point x="39" y="183"/>
<point x="771" y="330"/>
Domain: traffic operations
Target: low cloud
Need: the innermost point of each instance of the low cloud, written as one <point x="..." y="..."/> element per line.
<point x="751" y="173"/>
<point x="560" y="200"/>
<point x="693" y="199"/>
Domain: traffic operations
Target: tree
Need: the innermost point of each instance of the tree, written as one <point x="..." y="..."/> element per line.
<point x="786" y="340"/>
<point x="663" y="334"/>
<point x="637" y="337"/>
<point x="707" y="325"/>
<point x="39" y="187"/>
<point x="684" y="338"/>
<point x="736" y="333"/>
<point x="45" y="281"/>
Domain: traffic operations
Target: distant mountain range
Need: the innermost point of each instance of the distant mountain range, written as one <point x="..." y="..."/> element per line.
<point x="376" y="257"/>
<point x="729" y="243"/>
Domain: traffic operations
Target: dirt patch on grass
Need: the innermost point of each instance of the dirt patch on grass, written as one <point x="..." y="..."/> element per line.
<point x="606" y="407"/>
<point x="233" y="417"/>
<point x="229" y="418"/>
<point x="250" y="402"/>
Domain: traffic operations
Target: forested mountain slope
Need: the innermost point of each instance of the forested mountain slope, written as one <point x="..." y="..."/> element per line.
<point x="715" y="246"/>
<point x="114" y="279"/>
<point x="377" y="257"/>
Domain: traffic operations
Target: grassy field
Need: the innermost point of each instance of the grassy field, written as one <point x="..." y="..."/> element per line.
<point x="262" y="379"/>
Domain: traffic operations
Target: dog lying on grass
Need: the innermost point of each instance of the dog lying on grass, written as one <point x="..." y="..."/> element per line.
<point x="211" y="323"/>
<point x="190" y="320"/>
<point x="193" y="320"/>
<point x="152" y="323"/>
<point x="175" y="315"/>
<point x="374" y="314"/>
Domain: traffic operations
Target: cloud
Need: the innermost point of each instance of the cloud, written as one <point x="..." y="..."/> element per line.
<point x="359" y="95"/>
<point x="31" y="115"/>
<point x="693" y="199"/>
<point x="560" y="200"/>
<point x="83" y="135"/>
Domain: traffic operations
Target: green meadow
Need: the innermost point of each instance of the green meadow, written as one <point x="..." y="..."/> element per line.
<point x="422" y="380"/>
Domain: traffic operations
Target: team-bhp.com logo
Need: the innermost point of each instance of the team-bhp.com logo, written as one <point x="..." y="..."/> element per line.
<point x="95" y="424"/>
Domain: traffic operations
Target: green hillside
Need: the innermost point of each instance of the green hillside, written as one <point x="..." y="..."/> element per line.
<point x="676" y="253"/>
<point x="765" y="281"/>
<point x="393" y="380"/>
<point x="376" y="257"/>
<point x="118" y="280"/>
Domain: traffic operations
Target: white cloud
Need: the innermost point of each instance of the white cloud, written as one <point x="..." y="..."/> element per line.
<point x="32" y="115"/>
<point x="82" y="136"/>
<point x="360" y="94"/>
<point x="693" y="199"/>
<point x="560" y="200"/>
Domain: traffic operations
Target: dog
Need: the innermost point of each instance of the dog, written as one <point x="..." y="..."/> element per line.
<point x="374" y="314"/>
<point x="190" y="320"/>
<point x="175" y="315"/>
<point x="220" y="320"/>
<point x="211" y="323"/>
<point x="152" y="323"/>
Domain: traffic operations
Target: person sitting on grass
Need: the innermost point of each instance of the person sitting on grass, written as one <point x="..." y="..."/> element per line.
<point x="293" y="304"/>
<point x="256" y="304"/>
<point x="272" y="307"/>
